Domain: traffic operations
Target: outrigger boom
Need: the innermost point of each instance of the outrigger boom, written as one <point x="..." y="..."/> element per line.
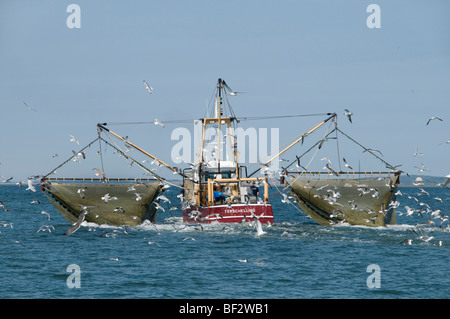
<point x="333" y="115"/>
<point x="101" y="127"/>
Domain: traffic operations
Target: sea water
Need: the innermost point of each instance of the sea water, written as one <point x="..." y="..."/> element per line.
<point x="295" y="258"/>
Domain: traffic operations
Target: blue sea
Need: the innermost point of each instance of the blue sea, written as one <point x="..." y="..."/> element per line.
<point x="295" y="258"/>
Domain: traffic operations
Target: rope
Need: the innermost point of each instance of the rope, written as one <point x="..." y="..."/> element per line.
<point x="365" y="149"/>
<point x="338" y="153"/>
<point x="101" y="154"/>
<point x="308" y="150"/>
<point x="232" y="114"/>
<point x="133" y="160"/>
<point x="69" y="159"/>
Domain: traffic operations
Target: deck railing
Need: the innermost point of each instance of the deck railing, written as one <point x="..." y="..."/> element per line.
<point x="92" y="180"/>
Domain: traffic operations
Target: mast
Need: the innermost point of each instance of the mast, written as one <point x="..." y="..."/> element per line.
<point x="219" y="116"/>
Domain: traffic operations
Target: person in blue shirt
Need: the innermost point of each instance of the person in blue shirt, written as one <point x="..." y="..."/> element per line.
<point x="254" y="189"/>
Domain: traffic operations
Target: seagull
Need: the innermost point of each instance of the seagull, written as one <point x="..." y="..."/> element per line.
<point x="335" y="194"/>
<point x="417" y="152"/>
<point x="372" y="219"/>
<point x="6" y="179"/>
<point x="372" y="150"/>
<point x="407" y="241"/>
<point x="46" y="228"/>
<point x="81" y="192"/>
<point x="423" y="192"/>
<point x="422" y="168"/>
<point x="158" y="207"/>
<point x="349" y="115"/>
<point x="243" y="260"/>
<point x="77" y="225"/>
<point x="336" y="213"/>
<point x="3" y="205"/>
<point x="45" y="213"/>
<point x="148" y="87"/>
<point x="138" y="196"/>
<point x="5" y="224"/>
<point x="98" y="172"/>
<point x="73" y="139"/>
<point x="298" y="163"/>
<point x="422" y="234"/>
<point x="259" y="230"/>
<point x="16" y="241"/>
<point x="433" y="118"/>
<point x="346" y="164"/>
<point x="285" y="199"/>
<point x="164" y="198"/>
<point x="107" y="198"/>
<point x="30" y="186"/>
<point x="375" y="192"/>
<point x="119" y="209"/>
<point x="330" y="169"/>
<point x="158" y="122"/>
<point x="29" y="107"/>
<point x="326" y="159"/>
<point x="447" y="181"/>
<point x="394" y="204"/>
<point x="234" y="93"/>
<point x="322" y="187"/>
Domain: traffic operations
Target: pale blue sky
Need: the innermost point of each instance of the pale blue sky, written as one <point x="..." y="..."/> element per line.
<point x="290" y="57"/>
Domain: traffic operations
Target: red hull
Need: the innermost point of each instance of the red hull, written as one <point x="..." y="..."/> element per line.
<point x="228" y="214"/>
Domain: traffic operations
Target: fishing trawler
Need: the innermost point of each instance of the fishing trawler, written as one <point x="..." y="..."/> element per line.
<point x="215" y="187"/>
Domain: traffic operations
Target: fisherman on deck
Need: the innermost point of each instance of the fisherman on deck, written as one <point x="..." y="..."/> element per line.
<point x="254" y="189"/>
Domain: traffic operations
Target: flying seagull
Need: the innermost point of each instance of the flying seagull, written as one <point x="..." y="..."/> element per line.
<point x="433" y="118"/>
<point x="77" y="225"/>
<point x="234" y="93"/>
<point x="158" y="207"/>
<point x="259" y="230"/>
<point x="371" y="150"/>
<point x="29" y="107"/>
<point x="98" y="172"/>
<point x="158" y="122"/>
<point x="148" y="87"/>
<point x="346" y="164"/>
<point x="73" y="139"/>
<point x="349" y="115"/>
<point x="407" y="241"/>
<point x="330" y="169"/>
<point x="30" y="186"/>
<point x="45" y="213"/>
<point x="417" y="153"/>
<point x="6" y="179"/>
